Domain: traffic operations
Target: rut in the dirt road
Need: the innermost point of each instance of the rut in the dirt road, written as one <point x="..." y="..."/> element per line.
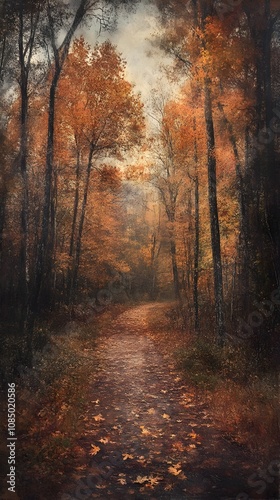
<point x="146" y="434"/>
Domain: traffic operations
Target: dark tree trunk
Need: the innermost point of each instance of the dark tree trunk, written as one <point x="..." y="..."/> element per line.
<point x="76" y="204"/>
<point x="243" y="212"/>
<point x="44" y="267"/>
<point x="272" y="176"/>
<point x="196" y="254"/>
<point x="3" y="201"/>
<point x="213" y="209"/>
<point x="25" y="51"/>
<point x="45" y="254"/>
<point x="196" y="239"/>
<point x="175" y="270"/>
<point x="73" y="231"/>
<point x="81" y="223"/>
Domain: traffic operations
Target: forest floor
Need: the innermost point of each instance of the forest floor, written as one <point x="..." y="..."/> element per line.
<point x="147" y="435"/>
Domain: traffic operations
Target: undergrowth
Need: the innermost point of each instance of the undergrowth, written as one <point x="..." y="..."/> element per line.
<point x="51" y="401"/>
<point x="244" y="399"/>
<point x="242" y="389"/>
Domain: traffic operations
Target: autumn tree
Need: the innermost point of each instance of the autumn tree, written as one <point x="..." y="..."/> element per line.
<point x="167" y="177"/>
<point x="100" y="118"/>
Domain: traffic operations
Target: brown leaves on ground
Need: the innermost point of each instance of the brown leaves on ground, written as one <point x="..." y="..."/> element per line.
<point x="175" y="469"/>
<point x="94" y="450"/>
<point x="98" y="418"/>
<point x="146" y="430"/>
<point x="148" y="480"/>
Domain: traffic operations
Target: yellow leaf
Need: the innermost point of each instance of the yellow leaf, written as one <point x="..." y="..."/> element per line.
<point x="104" y="440"/>
<point x="144" y="430"/>
<point x="151" y="411"/>
<point x="141" y="479"/>
<point x="98" y="418"/>
<point x="126" y="456"/>
<point x="94" y="449"/>
<point x="193" y="435"/>
<point x="166" y="416"/>
<point x="178" y="446"/>
<point x="155" y="480"/>
<point x="174" y="471"/>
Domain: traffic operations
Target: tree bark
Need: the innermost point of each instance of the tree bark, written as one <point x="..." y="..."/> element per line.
<point x="81" y="223"/>
<point x="44" y="266"/>
<point x="25" y="52"/>
<point x="73" y="231"/>
<point x="214" y="217"/>
<point x="243" y="212"/>
<point x="196" y="254"/>
<point x="175" y="269"/>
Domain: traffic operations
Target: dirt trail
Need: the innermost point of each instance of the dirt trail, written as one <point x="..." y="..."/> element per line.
<point x="146" y="435"/>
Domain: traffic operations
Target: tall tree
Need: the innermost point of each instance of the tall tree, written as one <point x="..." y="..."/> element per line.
<point x="56" y="19"/>
<point x="101" y="117"/>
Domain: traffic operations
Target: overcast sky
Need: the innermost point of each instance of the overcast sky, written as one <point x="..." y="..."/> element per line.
<point x="133" y="37"/>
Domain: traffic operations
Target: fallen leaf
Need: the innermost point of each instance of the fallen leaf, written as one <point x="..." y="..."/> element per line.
<point x="94" y="449"/>
<point x="144" y="430"/>
<point x="151" y="411"/>
<point x="141" y="479"/>
<point x="121" y="480"/>
<point x="155" y="480"/>
<point x="182" y="476"/>
<point x="193" y="435"/>
<point x="104" y="440"/>
<point x="166" y="416"/>
<point x="178" y="446"/>
<point x="174" y="471"/>
<point x="98" y="418"/>
<point x="127" y="456"/>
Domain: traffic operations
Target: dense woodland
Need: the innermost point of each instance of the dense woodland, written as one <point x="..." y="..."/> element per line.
<point x="195" y="214"/>
<point x="108" y="200"/>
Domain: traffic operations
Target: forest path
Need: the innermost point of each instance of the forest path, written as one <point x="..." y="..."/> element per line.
<point x="146" y="435"/>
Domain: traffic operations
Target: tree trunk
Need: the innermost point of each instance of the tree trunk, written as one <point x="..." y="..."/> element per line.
<point x="196" y="240"/>
<point x="213" y="209"/>
<point x="45" y="254"/>
<point x="81" y="223"/>
<point x="272" y="177"/>
<point x="196" y="254"/>
<point x="73" y="231"/>
<point x="25" y="51"/>
<point x="44" y="267"/>
<point x="175" y="270"/>
<point x="243" y="212"/>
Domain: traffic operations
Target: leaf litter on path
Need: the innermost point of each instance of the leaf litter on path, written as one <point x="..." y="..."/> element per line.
<point x="144" y="447"/>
